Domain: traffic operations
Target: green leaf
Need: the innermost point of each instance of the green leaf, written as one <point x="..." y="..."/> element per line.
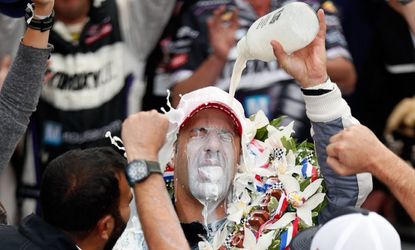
<point x="277" y="121"/>
<point x="272" y="204"/>
<point x="290" y="208"/>
<point x="261" y="134"/>
<point x="289" y="143"/>
<point x="304" y="184"/>
<point x="306" y="145"/>
<point x="302" y="225"/>
<point x="275" y="244"/>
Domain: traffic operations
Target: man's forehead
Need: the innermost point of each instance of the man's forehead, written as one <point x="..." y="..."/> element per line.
<point x="211" y="118"/>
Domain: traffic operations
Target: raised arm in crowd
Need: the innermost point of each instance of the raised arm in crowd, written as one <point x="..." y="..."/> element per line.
<point x="21" y="90"/>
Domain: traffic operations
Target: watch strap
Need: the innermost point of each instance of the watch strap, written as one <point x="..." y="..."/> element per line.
<point x="153" y="167"/>
<point x="149" y="168"/>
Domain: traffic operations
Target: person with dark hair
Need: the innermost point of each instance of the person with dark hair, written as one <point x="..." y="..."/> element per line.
<point x="85" y="204"/>
<point x="95" y="78"/>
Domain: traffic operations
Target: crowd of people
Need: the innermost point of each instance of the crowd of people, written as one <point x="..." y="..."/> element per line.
<point x="81" y="71"/>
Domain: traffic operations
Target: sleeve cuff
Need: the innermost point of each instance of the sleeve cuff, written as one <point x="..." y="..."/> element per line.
<point x="328" y="85"/>
<point x="326" y="106"/>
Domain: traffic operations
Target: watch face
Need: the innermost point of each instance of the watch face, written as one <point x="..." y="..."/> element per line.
<point x="137" y="171"/>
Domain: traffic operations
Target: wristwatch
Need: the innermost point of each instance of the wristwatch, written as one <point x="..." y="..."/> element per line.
<point x="138" y="170"/>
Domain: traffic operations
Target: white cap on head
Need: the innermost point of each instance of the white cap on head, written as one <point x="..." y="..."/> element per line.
<point x="195" y="101"/>
<point x="206" y="98"/>
<point x="357" y="231"/>
<point x="353" y="229"/>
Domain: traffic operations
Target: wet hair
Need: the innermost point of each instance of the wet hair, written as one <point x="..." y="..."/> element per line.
<point x="80" y="187"/>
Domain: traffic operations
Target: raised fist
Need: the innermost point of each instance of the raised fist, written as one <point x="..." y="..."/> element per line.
<point x="43" y="7"/>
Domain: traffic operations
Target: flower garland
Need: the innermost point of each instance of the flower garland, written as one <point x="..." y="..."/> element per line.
<point x="276" y="193"/>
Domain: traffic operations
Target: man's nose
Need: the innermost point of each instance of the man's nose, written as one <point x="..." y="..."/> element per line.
<point x="213" y="142"/>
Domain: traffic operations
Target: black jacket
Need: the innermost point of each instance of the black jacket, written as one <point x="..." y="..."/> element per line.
<point x="34" y="233"/>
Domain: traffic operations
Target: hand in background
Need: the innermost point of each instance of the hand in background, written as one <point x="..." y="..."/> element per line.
<point x="222" y="27"/>
<point x="354" y="150"/>
<point x="43" y="7"/>
<point x="143" y="135"/>
<point x="307" y="65"/>
<point x="402" y="118"/>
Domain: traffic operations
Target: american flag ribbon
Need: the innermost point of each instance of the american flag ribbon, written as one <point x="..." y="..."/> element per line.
<point x="282" y="206"/>
<point x="308" y="170"/>
<point x="289" y="234"/>
<point x="256" y="148"/>
<point x="168" y="174"/>
<point x="260" y="186"/>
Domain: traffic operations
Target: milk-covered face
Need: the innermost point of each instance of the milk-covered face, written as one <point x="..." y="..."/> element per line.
<point x="207" y="154"/>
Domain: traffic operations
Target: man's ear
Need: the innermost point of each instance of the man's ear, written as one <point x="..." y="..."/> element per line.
<point x="105" y="227"/>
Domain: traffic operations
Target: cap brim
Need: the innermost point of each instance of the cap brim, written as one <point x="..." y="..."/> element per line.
<point x="302" y="241"/>
<point x="340" y="211"/>
<point x="219" y="106"/>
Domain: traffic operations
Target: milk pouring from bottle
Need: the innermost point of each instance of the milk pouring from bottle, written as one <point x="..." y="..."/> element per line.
<point x="294" y="26"/>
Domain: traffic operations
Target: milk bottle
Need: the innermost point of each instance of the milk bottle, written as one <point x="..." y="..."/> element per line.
<point x="294" y="26"/>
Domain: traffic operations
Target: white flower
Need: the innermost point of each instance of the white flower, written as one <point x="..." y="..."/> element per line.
<point x="237" y="209"/>
<point x="282" y="222"/>
<point x="217" y="242"/>
<point x="290" y="157"/>
<point x="220" y="237"/>
<point x="204" y="245"/>
<point x="260" y="120"/>
<point x="286" y="165"/>
<point x="241" y="182"/>
<point x="264" y="241"/>
<point x="306" y="201"/>
<point x="275" y="135"/>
